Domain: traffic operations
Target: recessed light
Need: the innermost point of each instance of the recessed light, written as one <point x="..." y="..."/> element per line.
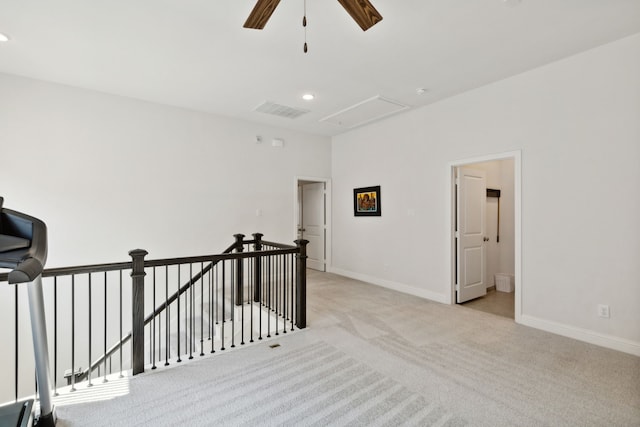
<point x="4" y="38"/>
<point x="308" y="97"/>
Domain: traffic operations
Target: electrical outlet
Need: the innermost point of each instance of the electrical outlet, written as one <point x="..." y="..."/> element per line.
<point x="603" y="311"/>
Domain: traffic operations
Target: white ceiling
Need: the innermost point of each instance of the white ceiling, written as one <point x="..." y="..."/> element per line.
<point x="195" y="53"/>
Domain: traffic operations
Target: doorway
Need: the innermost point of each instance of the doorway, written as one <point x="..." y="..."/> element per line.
<point x="312" y="219"/>
<point x="485" y="234"/>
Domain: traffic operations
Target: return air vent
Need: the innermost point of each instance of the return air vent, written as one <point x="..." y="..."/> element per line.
<point x="366" y="111"/>
<point x="280" y="110"/>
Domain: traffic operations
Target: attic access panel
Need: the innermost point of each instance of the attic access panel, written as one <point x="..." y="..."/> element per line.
<point x="367" y="111"/>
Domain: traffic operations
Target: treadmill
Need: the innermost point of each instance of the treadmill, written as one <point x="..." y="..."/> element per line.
<point x="23" y="249"/>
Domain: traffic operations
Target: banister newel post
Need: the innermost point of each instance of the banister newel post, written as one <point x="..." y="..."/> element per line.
<point x="257" y="271"/>
<point x="239" y="270"/>
<point x="301" y="284"/>
<point x="137" y="310"/>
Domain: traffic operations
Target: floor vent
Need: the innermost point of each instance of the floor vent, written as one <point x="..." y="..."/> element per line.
<point x="280" y="110"/>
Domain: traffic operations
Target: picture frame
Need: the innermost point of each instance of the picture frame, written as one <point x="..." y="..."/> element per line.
<point x="367" y="201"/>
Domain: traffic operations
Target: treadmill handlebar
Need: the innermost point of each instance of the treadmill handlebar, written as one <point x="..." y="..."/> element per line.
<point x="28" y="262"/>
<point x="26" y="271"/>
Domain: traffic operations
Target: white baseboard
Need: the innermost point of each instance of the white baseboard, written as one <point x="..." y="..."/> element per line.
<point x="602" y="340"/>
<point x="400" y="287"/>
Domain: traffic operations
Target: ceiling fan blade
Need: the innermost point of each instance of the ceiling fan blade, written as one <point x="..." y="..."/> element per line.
<point x="363" y="12"/>
<point x="260" y="14"/>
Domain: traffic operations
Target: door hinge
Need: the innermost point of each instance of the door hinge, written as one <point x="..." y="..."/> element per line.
<point x="457" y="234"/>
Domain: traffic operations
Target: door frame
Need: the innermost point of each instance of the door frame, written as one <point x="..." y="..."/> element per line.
<point x="517" y="210"/>
<point x="327" y="210"/>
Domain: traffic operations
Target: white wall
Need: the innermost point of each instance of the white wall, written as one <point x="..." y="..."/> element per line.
<point x="577" y="125"/>
<point x="110" y="174"/>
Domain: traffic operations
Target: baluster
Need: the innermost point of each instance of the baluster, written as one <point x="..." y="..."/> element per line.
<point x="211" y="323"/>
<point x="105" y="328"/>
<point x="89" y="370"/>
<point x="120" y="324"/>
<point x="178" y="337"/>
<point x="17" y="341"/>
<point x="269" y="281"/>
<point x="167" y="318"/>
<point x="252" y="283"/>
<point x="261" y="295"/>
<point x="209" y="286"/>
<point x="55" y="335"/>
<point x="241" y="284"/>
<point x="285" y="258"/>
<point x="191" y="303"/>
<point x="201" y="308"/>
<point x="277" y="288"/>
<point x="234" y="263"/>
<point x="214" y="284"/>
<point x="159" y="323"/>
<point x="265" y="281"/>
<point x="282" y="284"/>
<point x="153" y="325"/>
<point x="73" y="332"/>
<point x="217" y="293"/>
<point x="224" y="262"/>
<point x="293" y="266"/>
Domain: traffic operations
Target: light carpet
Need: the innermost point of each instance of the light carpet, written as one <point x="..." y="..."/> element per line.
<point x="376" y="357"/>
<point x="298" y="383"/>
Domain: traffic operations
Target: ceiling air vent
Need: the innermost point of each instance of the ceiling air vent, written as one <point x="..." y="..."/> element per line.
<point x="280" y="110"/>
<point x="366" y="111"/>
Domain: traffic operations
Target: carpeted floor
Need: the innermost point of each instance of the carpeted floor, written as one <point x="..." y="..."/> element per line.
<point x="376" y="357"/>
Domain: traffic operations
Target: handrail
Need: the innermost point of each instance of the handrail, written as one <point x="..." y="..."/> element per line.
<point x="277" y="245"/>
<point x="102" y="268"/>
<point x="81" y="269"/>
<point x="216" y="258"/>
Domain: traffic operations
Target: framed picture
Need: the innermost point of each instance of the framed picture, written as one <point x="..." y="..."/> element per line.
<point x="366" y="201"/>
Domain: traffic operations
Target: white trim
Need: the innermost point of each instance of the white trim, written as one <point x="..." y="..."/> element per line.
<point x="328" y="209"/>
<point x="517" y="172"/>
<point x="396" y="286"/>
<point x="591" y="337"/>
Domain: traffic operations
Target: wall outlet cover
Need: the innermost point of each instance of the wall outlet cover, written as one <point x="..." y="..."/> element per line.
<point x="603" y="311"/>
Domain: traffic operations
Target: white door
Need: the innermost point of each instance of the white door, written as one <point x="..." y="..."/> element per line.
<point x="312" y="227"/>
<point x="470" y="234"/>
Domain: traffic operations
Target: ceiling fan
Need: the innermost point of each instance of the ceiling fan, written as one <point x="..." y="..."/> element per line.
<point x="362" y="11"/>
